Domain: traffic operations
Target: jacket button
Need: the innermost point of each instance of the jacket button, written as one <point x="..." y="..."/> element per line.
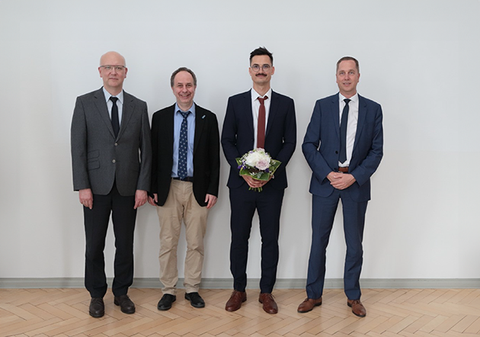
<point x="113" y="161"/>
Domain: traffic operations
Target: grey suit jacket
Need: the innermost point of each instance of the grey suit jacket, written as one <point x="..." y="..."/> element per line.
<point x="98" y="159"/>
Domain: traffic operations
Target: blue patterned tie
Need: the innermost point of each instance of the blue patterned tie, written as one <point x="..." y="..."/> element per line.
<point x="183" y="147"/>
<point x="343" y="133"/>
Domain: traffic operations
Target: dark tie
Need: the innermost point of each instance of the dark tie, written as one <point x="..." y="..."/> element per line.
<point x="183" y="147"/>
<point x="343" y="133"/>
<point x="261" y="123"/>
<point x="115" y="122"/>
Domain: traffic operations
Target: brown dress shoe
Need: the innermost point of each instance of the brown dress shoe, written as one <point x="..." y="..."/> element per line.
<point x="357" y="308"/>
<point x="269" y="305"/>
<point x="236" y="300"/>
<point x="308" y="305"/>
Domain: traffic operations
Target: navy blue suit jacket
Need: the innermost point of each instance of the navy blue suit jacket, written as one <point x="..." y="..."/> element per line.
<point x="238" y="134"/>
<point x="321" y="146"/>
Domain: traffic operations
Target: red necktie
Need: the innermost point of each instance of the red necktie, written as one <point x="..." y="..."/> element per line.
<point x="261" y="124"/>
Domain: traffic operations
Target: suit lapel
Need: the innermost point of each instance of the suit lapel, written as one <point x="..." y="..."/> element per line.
<point x="169" y="130"/>
<point x="362" y="113"/>
<point x="247" y="110"/>
<point x="101" y="105"/>
<point x="336" y="115"/>
<point x="127" y="112"/>
<point x="200" y="120"/>
<point x="272" y="113"/>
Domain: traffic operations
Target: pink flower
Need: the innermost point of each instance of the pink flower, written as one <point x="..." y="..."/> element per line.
<point x="263" y="164"/>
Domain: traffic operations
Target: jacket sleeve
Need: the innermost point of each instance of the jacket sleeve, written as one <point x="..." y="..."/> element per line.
<point x="311" y="143"/>
<point x="144" y="177"/>
<point x="78" y="143"/>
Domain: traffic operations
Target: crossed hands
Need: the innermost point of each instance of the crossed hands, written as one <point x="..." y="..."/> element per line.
<point x="340" y="180"/>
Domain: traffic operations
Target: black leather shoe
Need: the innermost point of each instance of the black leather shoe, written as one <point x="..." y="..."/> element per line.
<point x="125" y="303"/>
<point x="97" y="307"/>
<point x="195" y="300"/>
<point x="166" y="302"/>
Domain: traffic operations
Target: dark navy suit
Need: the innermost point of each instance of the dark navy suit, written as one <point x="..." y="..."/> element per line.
<point x="238" y="139"/>
<point x="321" y="148"/>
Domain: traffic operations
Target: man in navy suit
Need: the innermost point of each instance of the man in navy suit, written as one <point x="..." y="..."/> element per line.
<point x="111" y="160"/>
<point x="184" y="193"/>
<point x="258" y="118"/>
<point x="342" y="160"/>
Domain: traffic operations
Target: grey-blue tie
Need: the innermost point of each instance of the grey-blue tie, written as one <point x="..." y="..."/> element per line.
<point x="343" y="133"/>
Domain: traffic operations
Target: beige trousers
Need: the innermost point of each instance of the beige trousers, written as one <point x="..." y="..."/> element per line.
<point x="181" y="205"/>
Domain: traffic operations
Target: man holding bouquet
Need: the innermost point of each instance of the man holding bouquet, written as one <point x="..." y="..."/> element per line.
<point x="257" y="119"/>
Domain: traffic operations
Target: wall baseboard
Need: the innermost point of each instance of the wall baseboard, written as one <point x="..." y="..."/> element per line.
<point x="214" y="283"/>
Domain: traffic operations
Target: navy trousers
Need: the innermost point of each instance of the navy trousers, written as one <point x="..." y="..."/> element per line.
<point x="323" y="214"/>
<point x="243" y="203"/>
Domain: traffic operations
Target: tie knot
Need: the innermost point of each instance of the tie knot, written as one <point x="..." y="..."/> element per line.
<point x="113" y="99"/>
<point x="184" y="114"/>
<point x="261" y="100"/>
<point x="347" y="100"/>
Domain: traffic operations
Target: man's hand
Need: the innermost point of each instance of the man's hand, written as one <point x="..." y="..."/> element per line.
<point x="211" y="200"/>
<point x="86" y="197"/>
<point x="255" y="183"/>
<point x="140" y="198"/>
<point x="340" y="180"/>
<point x="152" y="201"/>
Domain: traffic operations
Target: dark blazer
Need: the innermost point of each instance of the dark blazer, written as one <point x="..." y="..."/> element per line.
<point x="280" y="137"/>
<point x="98" y="159"/>
<point x="206" y="154"/>
<point x="321" y="146"/>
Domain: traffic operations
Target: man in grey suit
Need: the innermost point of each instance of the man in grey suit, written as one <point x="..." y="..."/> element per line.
<point x="111" y="160"/>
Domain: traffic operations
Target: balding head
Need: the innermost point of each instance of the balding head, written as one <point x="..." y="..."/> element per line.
<point x="113" y="72"/>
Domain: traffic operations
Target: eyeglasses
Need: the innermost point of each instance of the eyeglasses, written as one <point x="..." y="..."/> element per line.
<point x="110" y="68"/>
<point x="256" y="67"/>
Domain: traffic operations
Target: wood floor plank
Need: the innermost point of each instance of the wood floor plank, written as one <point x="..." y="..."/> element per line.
<point x="390" y="312"/>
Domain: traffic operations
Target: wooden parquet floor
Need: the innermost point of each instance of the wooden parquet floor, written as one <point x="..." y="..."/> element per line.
<point x="390" y="312"/>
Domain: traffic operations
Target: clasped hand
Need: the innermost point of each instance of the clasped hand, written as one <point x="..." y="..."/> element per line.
<point x="340" y="180"/>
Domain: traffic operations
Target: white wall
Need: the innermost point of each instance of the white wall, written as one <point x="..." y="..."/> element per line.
<point x="419" y="59"/>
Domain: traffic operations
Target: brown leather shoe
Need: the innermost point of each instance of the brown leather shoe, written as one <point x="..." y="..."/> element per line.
<point x="357" y="308"/>
<point x="236" y="300"/>
<point x="308" y="305"/>
<point x="269" y="305"/>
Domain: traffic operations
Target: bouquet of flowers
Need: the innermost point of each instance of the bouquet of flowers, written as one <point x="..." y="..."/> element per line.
<point x="257" y="164"/>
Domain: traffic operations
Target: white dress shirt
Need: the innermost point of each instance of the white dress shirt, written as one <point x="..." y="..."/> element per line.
<point x="351" y="125"/>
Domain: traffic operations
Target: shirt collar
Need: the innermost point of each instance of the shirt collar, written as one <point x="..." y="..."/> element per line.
<point x="108" y="95"/>
<point x="192" y="109"/>
<point x="255" y="94"/>
<point x="354" y="98"/>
